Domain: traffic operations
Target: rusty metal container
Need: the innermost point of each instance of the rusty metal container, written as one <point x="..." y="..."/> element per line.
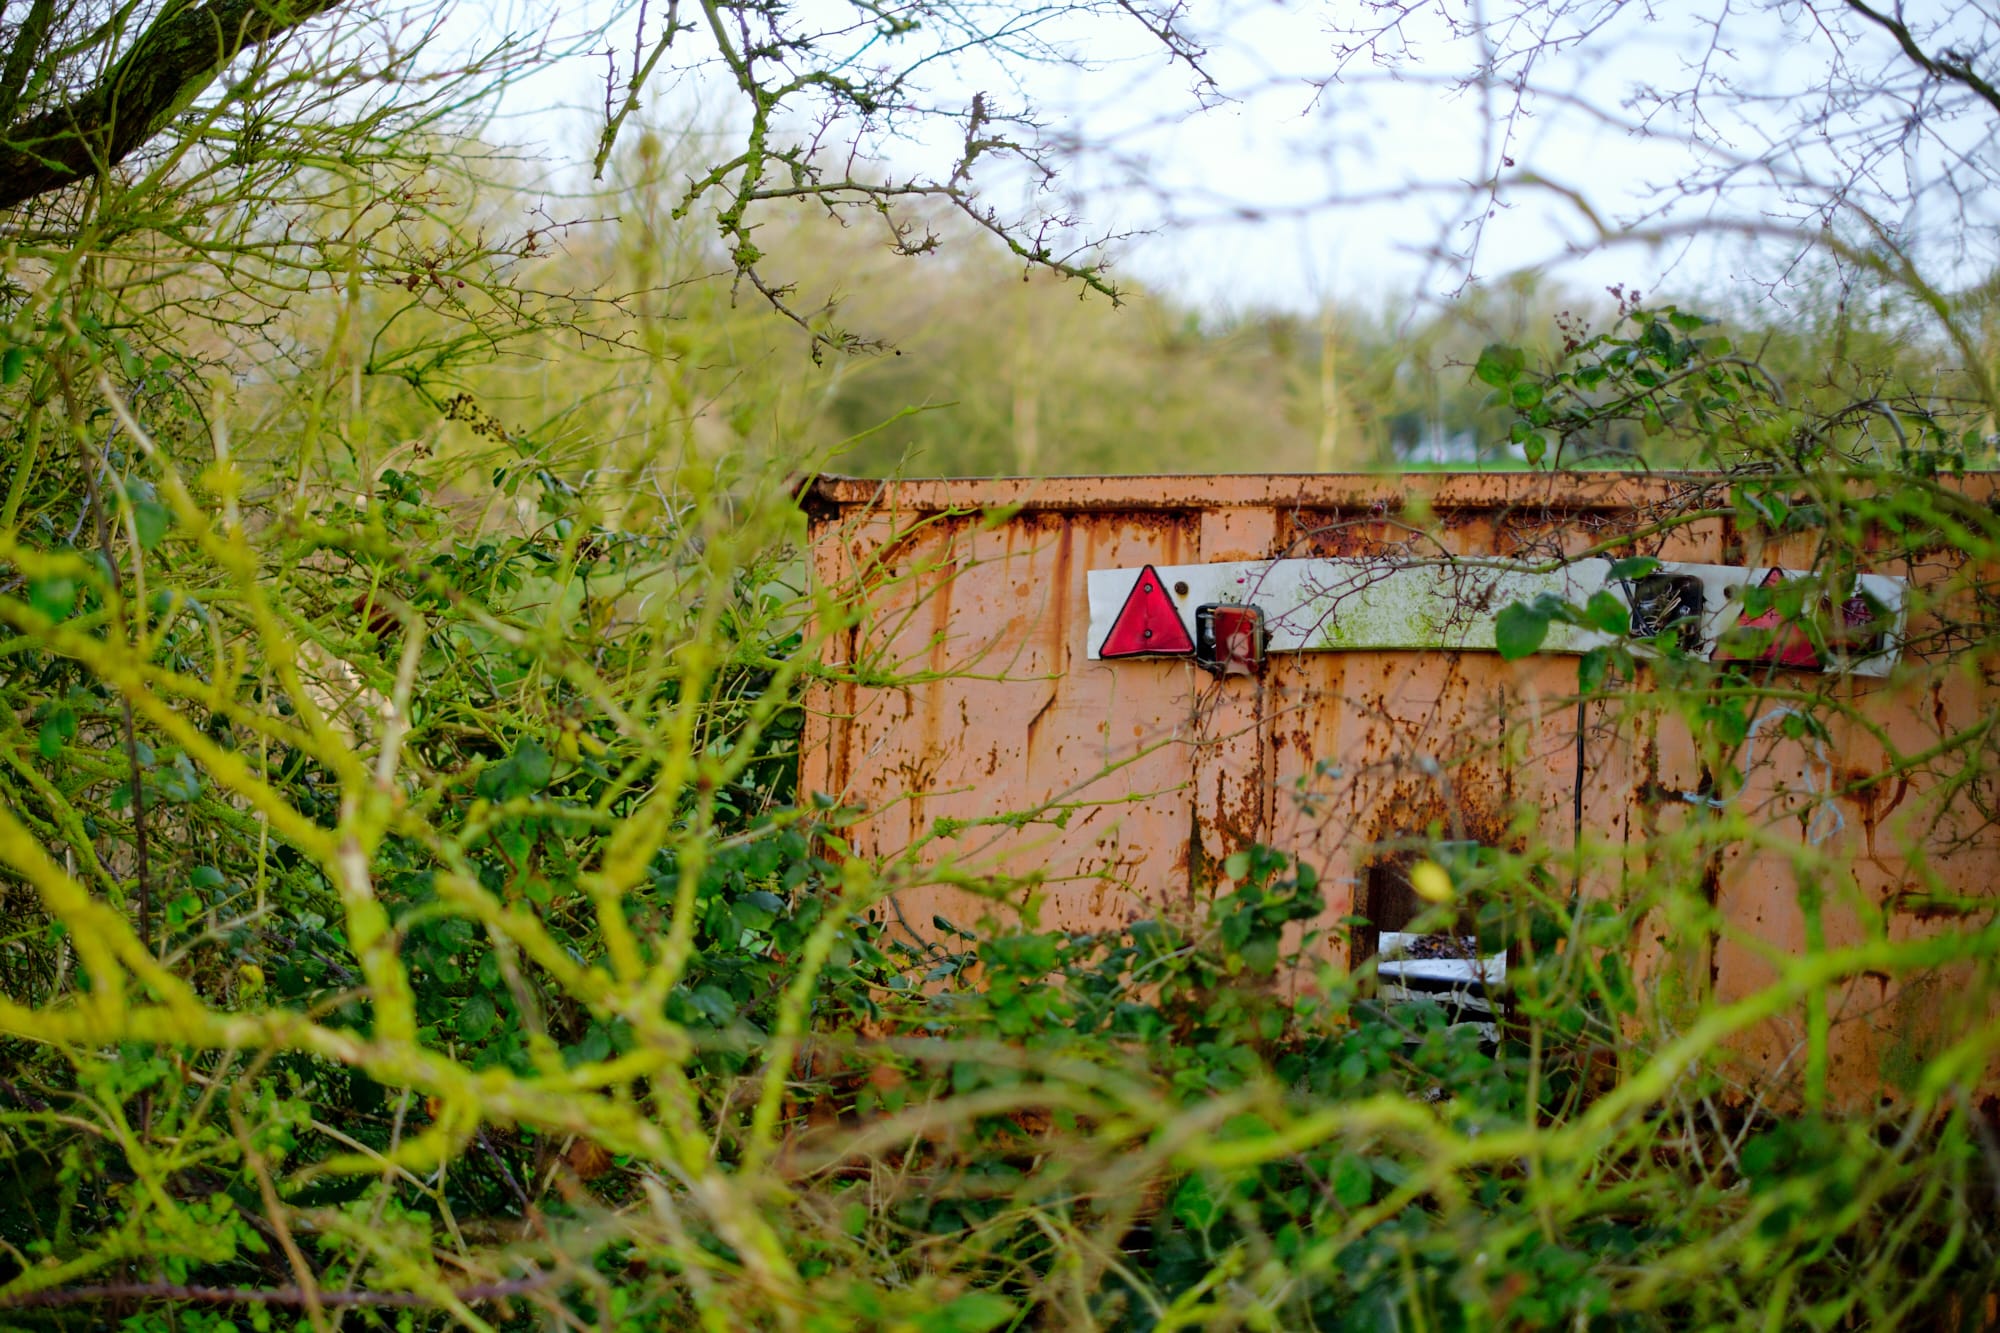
<point x="994" y="745"/>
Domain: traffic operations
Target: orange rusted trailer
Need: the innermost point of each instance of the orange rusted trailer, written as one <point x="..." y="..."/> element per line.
<point x="1000" y="743"/>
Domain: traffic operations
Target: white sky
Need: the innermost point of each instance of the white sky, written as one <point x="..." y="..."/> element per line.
<point x="1235" y="198"/>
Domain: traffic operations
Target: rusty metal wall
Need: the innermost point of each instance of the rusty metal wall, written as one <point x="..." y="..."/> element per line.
<point x="993" y="747"/>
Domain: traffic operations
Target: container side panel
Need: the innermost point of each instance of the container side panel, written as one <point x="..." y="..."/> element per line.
<point x="1004" y="755"/>
<point x="987" y="748"/>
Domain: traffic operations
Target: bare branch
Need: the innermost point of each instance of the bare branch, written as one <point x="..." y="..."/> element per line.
<point x="1949" y="65"/>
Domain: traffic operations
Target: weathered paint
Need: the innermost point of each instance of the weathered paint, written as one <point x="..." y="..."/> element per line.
<point x="996" y="745"/>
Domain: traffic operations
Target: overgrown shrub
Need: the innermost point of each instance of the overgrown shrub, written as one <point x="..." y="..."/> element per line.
<point x="411" y="919"/>
<point x="439" y="940"/>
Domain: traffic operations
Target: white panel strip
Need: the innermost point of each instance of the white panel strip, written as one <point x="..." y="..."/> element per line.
<point x="1330" y="605"/>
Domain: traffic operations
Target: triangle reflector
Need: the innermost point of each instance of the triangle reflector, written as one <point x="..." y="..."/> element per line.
<point x="1777" y="642"/>
<point x="1147" y="624"/>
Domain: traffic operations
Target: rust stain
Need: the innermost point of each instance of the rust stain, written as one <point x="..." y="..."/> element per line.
<point x="1323" y="533"/>
<point x="945" y="584"/>
<point x="1195" y="862"/>
<point x="1711" y="893"/>
<point x="1866" y="792"/>
<point x="1647" y="793"/>
<point x="1061" y="575"/>
<point x="1418" y="806"/>
<point x="1929" y="907"/>
<point x="1062" y="579"/>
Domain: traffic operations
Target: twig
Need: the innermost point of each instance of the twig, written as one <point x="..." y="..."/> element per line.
<point x="173" y="1291"/>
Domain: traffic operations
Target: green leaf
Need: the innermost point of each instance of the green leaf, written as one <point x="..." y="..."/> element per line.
<point x="52" y="597"/>
<point x="1260" y="955"/>
<point x="12" y="362"/>
<point x="1633" y="567"/>
<point x="1684" y="322"/>
<point x="712" y="1003"/>
<point x="1519" y="630"/>
<point x="1194" y="1205"/>
<point x="974" y="1312"/>
<point x="57" y="729"/>
<point x="1619" y="995"/>
<point x="757" y="910"/>
<point x="1535" y="447"/>
<point x="477" y="1018"/>
<point x="533" y="764"/>
<point x="1606" y="613"/>
<point x="595" y="1046"/>
<point x="179" y="782"/>
<point x="1353" y="1182"/>
<point x="1499" y="365"/>
<point x="522" y="773"/>
<point x="1525" y="394"/>
<point x="1766" y="1156"/>
<point x="152" y="520"/>
<point x="1591" y="669"/>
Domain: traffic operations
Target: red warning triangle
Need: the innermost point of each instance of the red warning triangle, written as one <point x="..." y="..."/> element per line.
<point x="1147" y="624"/>
<point x="1780" y="643"/>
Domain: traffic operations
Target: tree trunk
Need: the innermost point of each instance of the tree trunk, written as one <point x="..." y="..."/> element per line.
<point x="164" y="71"/>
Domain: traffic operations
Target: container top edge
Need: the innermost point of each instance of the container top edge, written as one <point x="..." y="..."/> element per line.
<point x="1185" y="491"/>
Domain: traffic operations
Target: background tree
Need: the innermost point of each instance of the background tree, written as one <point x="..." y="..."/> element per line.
<point x="217" y="102"/>
<point x="1829" y="146"/>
